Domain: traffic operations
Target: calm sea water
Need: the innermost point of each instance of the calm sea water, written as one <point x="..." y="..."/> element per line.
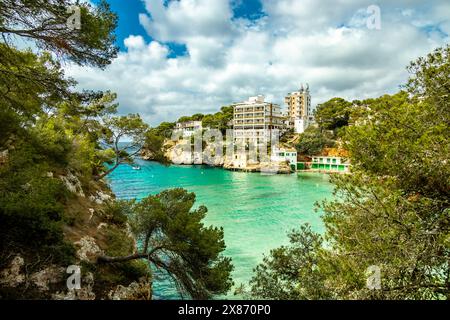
<point x="256" y="211"/>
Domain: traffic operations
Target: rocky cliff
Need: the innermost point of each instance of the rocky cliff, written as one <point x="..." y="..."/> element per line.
<point x="92" y="230"/>
<point x="179" y="155"/>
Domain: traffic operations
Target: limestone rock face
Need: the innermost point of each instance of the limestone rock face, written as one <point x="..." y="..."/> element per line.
<point x="12" y="276"/>
<point x="88" y="249"/>
<point x="272" y="167"/>
<point x="72" y="183"/>
<point x="180" y="153"/>
<point x="84" y="293"/>
<point x="147" y="155"/>
<point x="281" y="167"/>
<point x="135" y="291"/>
<point x="177" y="155"/>
<point x="51" y="274"/>
<point x="100" y="197"/>
<point x="4" y="156"/>
<point x="35" y="276"/>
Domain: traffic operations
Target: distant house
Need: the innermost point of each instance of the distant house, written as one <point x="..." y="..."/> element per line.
<point x="331" y="164"/>
<point x="282" y="154"/>
<point x="188" y="128"/>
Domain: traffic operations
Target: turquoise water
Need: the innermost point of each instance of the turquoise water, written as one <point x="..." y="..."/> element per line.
<point x="255" y="210"/>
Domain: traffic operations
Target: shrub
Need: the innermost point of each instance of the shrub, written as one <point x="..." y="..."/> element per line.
<point x="117" y="212"/>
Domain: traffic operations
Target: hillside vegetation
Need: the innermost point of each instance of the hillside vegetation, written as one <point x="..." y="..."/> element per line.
<point x="57" y="146"/>
<point x="388" y="231"/>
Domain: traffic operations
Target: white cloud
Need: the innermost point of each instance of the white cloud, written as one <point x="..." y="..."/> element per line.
<point x="134" y="42"/>
<point x="324" y="43"/>
<point x="186" y="19"/>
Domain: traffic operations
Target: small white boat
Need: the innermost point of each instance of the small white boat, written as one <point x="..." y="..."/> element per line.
<point x="136" y="168"/>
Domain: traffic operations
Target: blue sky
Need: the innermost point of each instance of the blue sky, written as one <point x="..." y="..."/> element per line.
<point x="129" y="10"/>
<point x="182" y="57"/>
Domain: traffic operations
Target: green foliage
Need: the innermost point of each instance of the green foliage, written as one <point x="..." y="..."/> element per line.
<point x="45" y="23"/>
<point x="108" y="277"/>
<point x="155" y="137"/>
<point x="332" y="118"/>
<point x="31" y="210"/>
<point x="400" y="188"/>
<point x="27" y="84"/>
<point x="376" y="223"/>
<point x="277" y="277"/>
<point x="175" y="239"/>
<point x="333" y="114"/>
<point x="429" y="79"/>
<point x="50" y="140"/>
<point x="119" y="243"/>
<point x="164" y="129"/>
<point x="47" y="130"/>
<point x="194" y="117"/>
<point x="403" y="139"/>
<point x="154" y="145"/>
<point x="118" y="127"/>
<point x="219" y="120"/>
<point x="114" y="129"/>
<point x="393" y="210"/>
<point x="287" y="135"/>
<point x="117" y="212"/>
<point x="84" y="156"/>
<point x="313" y="140"/>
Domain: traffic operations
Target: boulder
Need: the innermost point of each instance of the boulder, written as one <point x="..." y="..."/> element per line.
<point x="88" y="249"/>
<point x="135" y="291"/>
<point x="72" y="183"/>
<point x="13" y="276"/>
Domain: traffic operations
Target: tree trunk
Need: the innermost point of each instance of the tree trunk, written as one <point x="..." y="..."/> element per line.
<point x="106" y="259"/>
<point x="104" y="174"/>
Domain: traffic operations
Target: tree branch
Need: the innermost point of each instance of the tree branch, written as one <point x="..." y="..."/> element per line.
<point x="107" y="259"/>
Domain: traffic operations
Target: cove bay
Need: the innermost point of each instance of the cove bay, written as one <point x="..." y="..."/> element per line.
<point x="255" y="210"/>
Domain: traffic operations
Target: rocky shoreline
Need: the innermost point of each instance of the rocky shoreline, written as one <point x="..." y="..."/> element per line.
<point x="176" y="156"/>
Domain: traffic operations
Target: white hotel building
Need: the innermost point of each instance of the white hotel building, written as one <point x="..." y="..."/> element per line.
<point x="300" y="112"/>
<point x="255" y="120"/>
<point x="188" y="128"/>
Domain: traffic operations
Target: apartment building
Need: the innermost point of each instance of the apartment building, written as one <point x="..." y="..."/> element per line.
<point x="255" y="120"/>
<point x="188" y="128"/>
<point x="300" y="113"/>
